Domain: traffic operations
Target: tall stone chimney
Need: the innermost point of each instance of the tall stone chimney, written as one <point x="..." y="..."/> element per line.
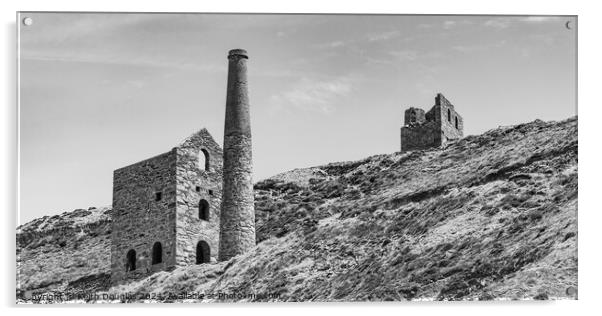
<point x="237" y="226"/>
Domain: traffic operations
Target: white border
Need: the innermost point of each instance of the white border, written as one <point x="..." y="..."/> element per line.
<point x="590" y="262"/>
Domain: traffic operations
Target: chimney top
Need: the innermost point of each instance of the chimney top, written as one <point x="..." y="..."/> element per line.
<point x="238" y="52"/>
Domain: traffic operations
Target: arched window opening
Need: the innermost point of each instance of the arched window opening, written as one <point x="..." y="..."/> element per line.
<point x="456" y="122"/>
<point x="204" y="210"/>
<point x="448" y="115"/>
<point x="157" y="253"/>
<point x="203" y="252"/>
<point x="131" y="260"/>
<point x="204" y="160"/>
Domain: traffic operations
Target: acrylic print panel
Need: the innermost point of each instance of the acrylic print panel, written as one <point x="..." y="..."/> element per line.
<point x="279" y="158"/>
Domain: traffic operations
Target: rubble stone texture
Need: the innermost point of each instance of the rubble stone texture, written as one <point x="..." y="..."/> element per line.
<point x="438" y="126"/>
<point x="141" y="218"/>
<point x="237" y="233"/>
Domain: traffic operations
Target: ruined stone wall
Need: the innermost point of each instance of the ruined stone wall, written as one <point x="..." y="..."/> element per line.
<point x="441" y="100"/>
<point x="139" y="220"/>
<point x="420" y="136"/>
<point x="414" y="116"/>
<point x="447" y="123"/>
<point x="193" y="183"/>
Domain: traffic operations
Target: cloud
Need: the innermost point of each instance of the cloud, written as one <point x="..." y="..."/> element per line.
<point x="536" y="19"/>
<point x="424" y="26"/>
<point x="368" y="38"/>
<point x="111" y="39"/>
<point x="382" y="36"/>
<point x="453" y="23"/>
<point x="334" y="44"/>
<point x="449" y="24"/>
<point x="136" y="83"/>
<point x="314" y="95"/>
<point x="119" y="61"/>
<point x="404" y="55"/>
<point x="497" y="23"/>
<point x="471" y="48"/>
<point x="478" y="47"/>
<point x="67" y="28"/>
<point x="505" y="22"/>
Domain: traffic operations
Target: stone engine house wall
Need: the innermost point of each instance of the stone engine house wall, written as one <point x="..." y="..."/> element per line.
<point x="438" y="126"/>
<point x="420" y="136"/>
<point x="139" y="220"/>
<point x="452" y="124"/>
<point x="175" y="220"/>
<point x="193" y="184"/>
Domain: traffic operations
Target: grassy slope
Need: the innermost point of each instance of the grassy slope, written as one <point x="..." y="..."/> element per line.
<point x="492" y="216"/>
<point x="62" y="250"/>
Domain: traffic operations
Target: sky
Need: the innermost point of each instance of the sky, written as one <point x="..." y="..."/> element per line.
<point x="102" y="91"/>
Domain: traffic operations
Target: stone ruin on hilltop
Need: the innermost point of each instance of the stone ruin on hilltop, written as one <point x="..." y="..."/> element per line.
<point x="434" y="128"/>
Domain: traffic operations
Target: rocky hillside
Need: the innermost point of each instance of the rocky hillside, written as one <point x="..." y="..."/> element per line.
<point x="67" y="250"/>
<point x="492" y="216"/>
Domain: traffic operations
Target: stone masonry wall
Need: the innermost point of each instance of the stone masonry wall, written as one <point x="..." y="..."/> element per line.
<point x="448" y="124"/>
<point x="420" y="136"/>
<point x="414" y="116"/>
<point x="193" y="184"/>
<point x="441" y="100"/>
<point x="139" y="220"/>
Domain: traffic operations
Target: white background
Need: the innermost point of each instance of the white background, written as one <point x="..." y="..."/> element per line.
<point x="590" y="115"/>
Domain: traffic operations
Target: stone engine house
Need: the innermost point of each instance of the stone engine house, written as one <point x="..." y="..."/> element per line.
<point x="166" y="210"/>
<point x="434" y="128"/>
